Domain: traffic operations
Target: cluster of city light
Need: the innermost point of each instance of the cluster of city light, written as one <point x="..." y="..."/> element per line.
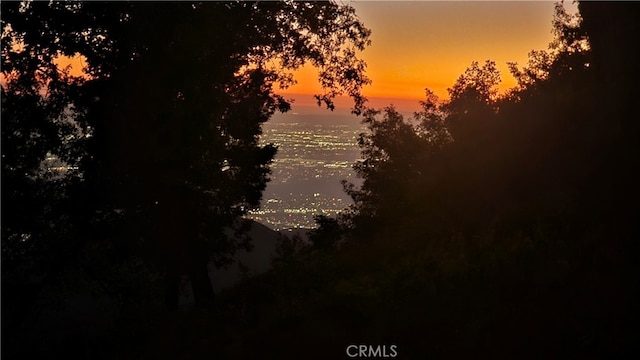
<point x="312" y="159"/>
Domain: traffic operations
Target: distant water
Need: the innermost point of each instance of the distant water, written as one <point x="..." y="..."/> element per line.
<point x="315" y="152"/>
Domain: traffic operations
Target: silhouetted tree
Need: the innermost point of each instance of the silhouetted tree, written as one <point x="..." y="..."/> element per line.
<point x="401" y="166"/>
<point x="611" y="29"/>
<point x="466" y="162"/>
<point x="328" y="235"/>
<point x="166" y="119"/>
<point x="486" y="218"/>
<point x="527" y="204"/>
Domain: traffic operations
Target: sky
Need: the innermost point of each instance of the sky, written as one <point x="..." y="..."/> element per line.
<point x="428" y="44"/>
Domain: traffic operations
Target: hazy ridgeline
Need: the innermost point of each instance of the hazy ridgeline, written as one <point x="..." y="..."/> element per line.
<point x="497" y="226"/>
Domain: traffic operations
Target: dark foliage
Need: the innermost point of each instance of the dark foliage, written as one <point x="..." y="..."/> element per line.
<point x="146" y="163"/>
<point x="487" y="225"/>
<point x="504" y="225"/>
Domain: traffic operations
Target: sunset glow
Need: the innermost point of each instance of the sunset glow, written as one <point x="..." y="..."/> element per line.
<point x="428" y="44"/>
<point x="75" y="64"/>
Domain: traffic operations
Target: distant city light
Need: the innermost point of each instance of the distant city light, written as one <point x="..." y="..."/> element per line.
<point x="313" y="157"/>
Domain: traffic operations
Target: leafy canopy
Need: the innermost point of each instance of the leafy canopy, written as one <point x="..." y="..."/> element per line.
<point x="159" y="135"/>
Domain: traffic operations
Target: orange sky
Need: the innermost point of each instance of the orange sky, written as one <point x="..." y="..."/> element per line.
<point x="418" y="44"/>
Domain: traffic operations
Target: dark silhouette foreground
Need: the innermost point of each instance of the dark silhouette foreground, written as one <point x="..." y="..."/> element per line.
<point x="499" y="226"/>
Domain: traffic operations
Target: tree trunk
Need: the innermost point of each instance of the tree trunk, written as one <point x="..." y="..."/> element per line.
<point x="172" y="289"/>
<point x="201" y="283"/>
